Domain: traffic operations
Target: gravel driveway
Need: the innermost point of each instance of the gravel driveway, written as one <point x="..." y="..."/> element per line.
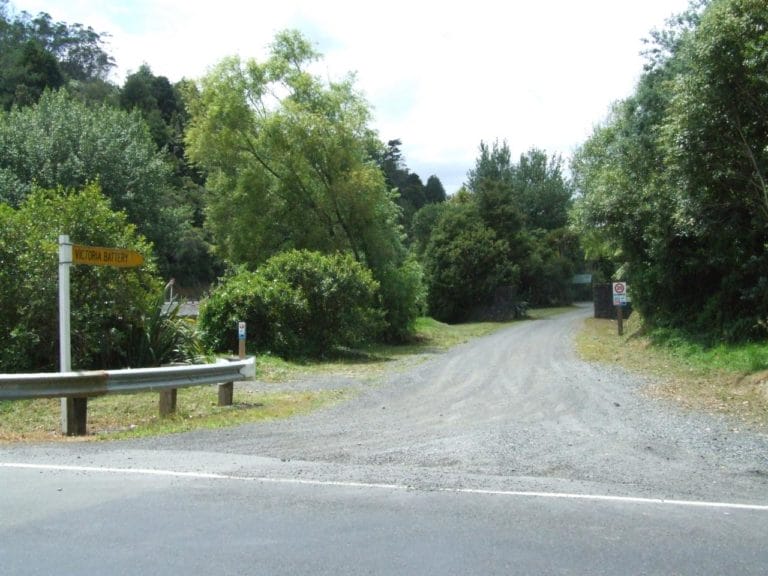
<point x="516" y="410"/>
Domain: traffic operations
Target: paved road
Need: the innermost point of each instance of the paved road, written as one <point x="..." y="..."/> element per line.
<point x="506" y="455"/>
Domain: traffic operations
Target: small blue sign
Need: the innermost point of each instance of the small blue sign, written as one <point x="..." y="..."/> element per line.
<point x="241" y="330"/>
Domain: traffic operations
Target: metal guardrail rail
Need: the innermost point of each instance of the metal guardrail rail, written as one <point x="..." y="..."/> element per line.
<point x="128" y="381"/>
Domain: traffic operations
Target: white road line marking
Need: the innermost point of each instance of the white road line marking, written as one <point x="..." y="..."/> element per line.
<point x="478" y="491"/>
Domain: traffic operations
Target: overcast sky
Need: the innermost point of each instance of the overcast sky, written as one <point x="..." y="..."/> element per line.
<point x="440" y="76"/>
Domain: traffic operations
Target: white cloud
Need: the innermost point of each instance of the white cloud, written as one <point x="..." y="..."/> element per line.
<point x="441" y="77"/>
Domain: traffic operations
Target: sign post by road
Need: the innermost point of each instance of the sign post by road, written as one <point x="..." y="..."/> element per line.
<point x="74" y="410"/>
<point x="227" y="390"/>
<point x="100" y="256"/>
<point x="620" y="300"/>
<point x="241" y="339"/>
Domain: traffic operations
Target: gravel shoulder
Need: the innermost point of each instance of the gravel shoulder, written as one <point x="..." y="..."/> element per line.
<point x="516" y="410"/>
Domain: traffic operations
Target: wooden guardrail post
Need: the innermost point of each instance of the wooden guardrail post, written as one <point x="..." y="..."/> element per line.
<point x="168" y="402"/>
<point x="226" y="393"/>
<point x="74" y="416"/>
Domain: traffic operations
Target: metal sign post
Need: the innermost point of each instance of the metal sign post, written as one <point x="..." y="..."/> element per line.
<point x="619" y="300"/>
<point x="227" y="390"/>
<point x="65" y="262"/>
<point x="73" y="410"/>
<point x="241" y="339"/>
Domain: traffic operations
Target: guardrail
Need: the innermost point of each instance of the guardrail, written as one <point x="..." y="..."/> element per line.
<point x="82" y="385"/>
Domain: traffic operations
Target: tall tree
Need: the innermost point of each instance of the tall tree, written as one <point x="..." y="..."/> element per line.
<point x="289" y="167"/>
<point x="392" y="164"/>
<point x="434" y="191"/>
<point x="159" y="102"/>
<point x="542" y="191"/>
<point x="494" y="164"/>
<point x="412" y="193"/>
<point x="411" y="198"/>
<point x="29" y="71"/>
<point x="465" y="262"/>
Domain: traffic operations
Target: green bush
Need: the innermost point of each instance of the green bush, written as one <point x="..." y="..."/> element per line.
<point x="465" y="263"/>
<point x="403" y="296"/>
<point x="163" y="337"/>
<point x="300" y="303"/>
<point x="106" y="303"/>
<point x="240" y="297"/>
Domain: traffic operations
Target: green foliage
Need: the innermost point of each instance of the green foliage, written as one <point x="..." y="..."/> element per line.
<point x="412" y="193"/>
<point x="549" y="267"/>
<point x="464" y="264"/>
<point x="62" y="143"/>
<point x="392" y="164"/>
<point x="434" y="191"/>
<point x="107" y="303"/>
<point x="163" y="337"/>
<point x="294" y="171"/>
<point x="299" y="303"/>
<point x="161" y="104"/>
<point x="156" y="99"/>
<point x="424" y="222"/>
<point x="403" y="295"/>
<point x="239" y="297"/>
<point x="38" y="54"/>
<point x="673" y="184"/>
<point x="498" y="208"/>
<point x="542" y="192"/>
<point x="531" y="193"/>
<point x="191" y="263"/>
<point x="29" y="71"/>
<point x="494" y="164"/>
<point x="501" y="240"/>
<point x="412" y="196"/>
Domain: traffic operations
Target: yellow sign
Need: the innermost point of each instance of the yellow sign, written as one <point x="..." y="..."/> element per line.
<point x="98" y="256"/>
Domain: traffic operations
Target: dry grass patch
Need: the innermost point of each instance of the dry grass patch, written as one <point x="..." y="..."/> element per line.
<point x="689" y="380"/>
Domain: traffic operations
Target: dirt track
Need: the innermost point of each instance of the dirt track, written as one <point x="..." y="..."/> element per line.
<point x="514" y="410"/>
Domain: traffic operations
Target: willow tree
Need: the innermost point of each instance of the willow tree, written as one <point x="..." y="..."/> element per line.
<point x="289" y="158"/>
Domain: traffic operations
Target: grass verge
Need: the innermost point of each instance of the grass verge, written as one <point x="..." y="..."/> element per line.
<point x="726" y="379"/>
<point x="136" y="415"/>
